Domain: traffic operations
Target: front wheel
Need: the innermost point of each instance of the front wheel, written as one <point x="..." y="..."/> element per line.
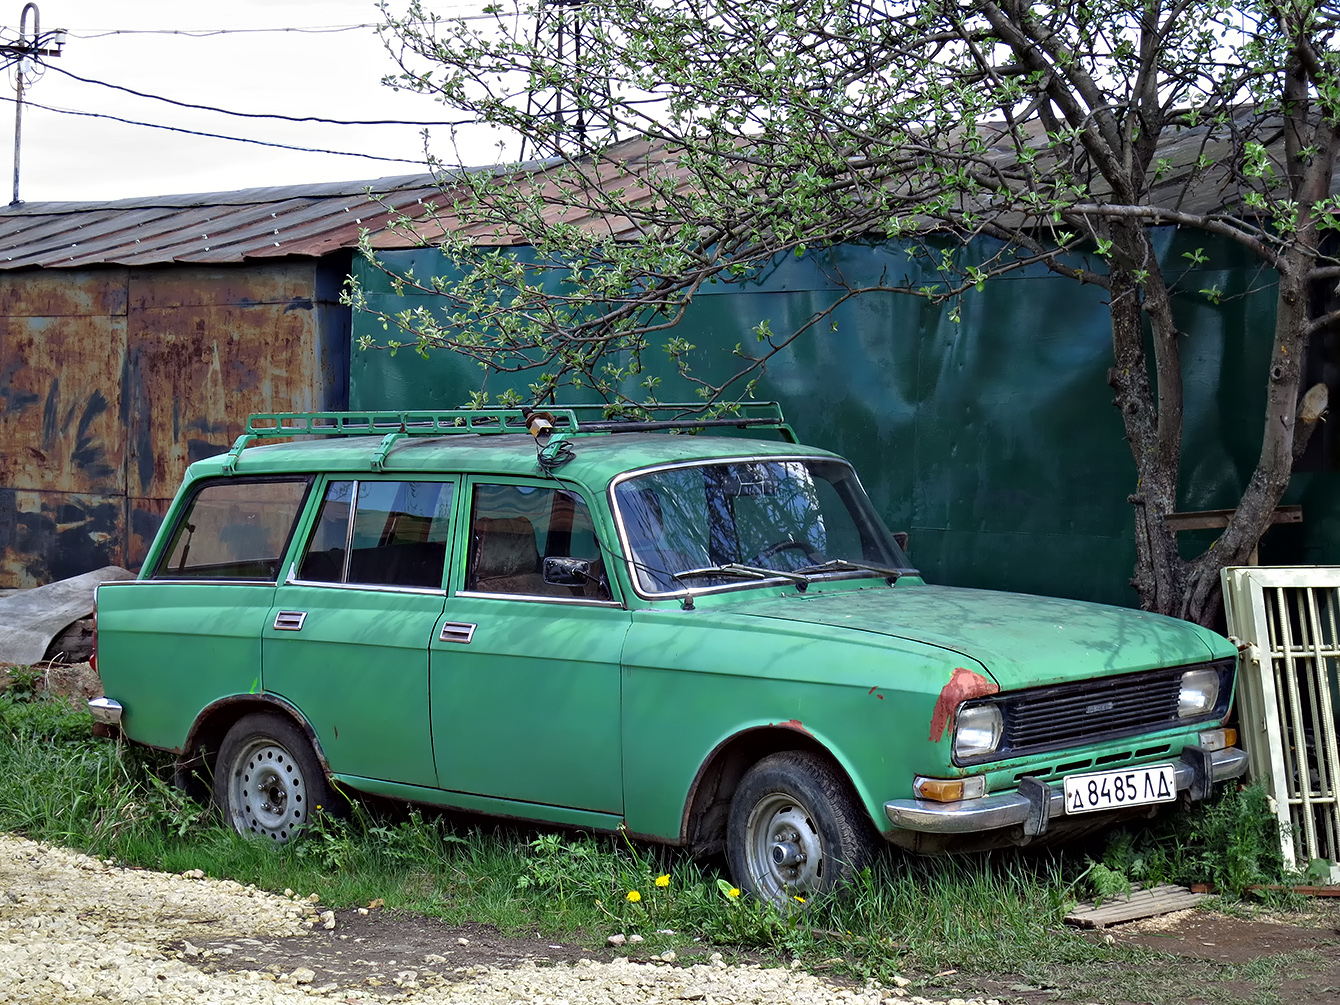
<point x="796" y="829"/>
<point x="267" y="781"/>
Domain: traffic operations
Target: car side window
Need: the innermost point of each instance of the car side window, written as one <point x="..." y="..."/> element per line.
<point x="535" y="542"/>
<point x="380" y="533"/>
<point x="235" y="529"/>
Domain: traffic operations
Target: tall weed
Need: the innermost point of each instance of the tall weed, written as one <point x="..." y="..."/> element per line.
<point x="1231" y="842"/>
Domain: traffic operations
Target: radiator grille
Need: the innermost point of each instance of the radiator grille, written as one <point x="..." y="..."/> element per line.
<point x="1083" y="712"/>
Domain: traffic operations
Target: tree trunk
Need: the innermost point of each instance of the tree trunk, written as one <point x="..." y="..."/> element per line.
<point x="1310" y="170"/>
<point x="1153" y="425"/>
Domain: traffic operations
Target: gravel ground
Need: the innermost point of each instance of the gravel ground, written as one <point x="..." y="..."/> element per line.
<point x="77" y="930"/>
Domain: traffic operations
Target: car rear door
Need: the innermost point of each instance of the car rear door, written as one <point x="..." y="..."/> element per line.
<point x="346" y="639"/>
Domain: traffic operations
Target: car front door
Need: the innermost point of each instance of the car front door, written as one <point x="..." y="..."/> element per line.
<point x="524" y="667"/>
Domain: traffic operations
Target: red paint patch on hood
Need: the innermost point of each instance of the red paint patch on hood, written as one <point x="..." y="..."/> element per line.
<point x="963" y="684"/>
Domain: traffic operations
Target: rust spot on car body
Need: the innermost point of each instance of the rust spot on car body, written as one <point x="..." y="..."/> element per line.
<point x="796" y="724"/>
<point x="963" y="685"/>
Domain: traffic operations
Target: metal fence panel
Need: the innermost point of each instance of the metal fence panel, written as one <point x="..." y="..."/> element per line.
<point x="1288" y="695"/>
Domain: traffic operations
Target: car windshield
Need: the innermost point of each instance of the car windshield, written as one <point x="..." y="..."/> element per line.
<point x="733" y="522"/>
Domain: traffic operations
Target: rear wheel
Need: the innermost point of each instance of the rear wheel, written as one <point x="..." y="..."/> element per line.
<point x="796" y="829"/>
<point x="268" y="781"/>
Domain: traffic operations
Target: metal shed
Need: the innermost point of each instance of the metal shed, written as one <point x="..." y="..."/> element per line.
<point x="137" y="335"/>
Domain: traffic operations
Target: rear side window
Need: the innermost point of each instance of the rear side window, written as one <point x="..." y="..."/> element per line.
<point x="235" y="529"/>
<point x="380" y="534"/>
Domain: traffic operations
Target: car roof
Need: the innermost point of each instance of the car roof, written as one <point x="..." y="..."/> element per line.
<point x="596" y="457"/>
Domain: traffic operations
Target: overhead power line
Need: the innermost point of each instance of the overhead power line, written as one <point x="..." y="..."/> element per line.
<point x="207" y="32"/>
<point x="260" y="115"/>
<point x="87" y="33"/>
<point x="218" y="136"/>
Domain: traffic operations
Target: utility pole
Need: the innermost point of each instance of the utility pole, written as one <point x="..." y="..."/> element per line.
<point x="575" y="106"/>
<point x="18" y="54"/>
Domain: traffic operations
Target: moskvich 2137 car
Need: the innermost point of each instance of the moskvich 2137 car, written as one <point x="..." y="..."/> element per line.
<point x="710" y="640"/>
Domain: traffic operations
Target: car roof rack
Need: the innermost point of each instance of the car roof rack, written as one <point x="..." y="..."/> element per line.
<point x="561" y="419"/>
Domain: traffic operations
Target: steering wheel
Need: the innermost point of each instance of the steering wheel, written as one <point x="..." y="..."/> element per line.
<point x="811" y="555"/>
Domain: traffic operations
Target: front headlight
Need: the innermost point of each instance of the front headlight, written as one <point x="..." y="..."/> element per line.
<point x="1199" y="693"/>
<point x="977" y="730"/>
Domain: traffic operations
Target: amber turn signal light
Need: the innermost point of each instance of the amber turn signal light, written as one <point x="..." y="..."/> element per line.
<point x="1218" y="739"/>
<point x="949" y="790"/>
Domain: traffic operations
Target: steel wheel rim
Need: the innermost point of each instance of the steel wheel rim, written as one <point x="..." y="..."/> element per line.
<point x="783" y="849"/>
<point x="267" y="792"/>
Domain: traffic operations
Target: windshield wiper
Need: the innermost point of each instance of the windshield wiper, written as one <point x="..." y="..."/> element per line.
<point x="744" y="572"/>
<point x="842" y="564"/>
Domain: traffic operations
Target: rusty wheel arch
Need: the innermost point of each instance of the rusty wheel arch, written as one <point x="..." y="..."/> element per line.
<point x="703" y="827"/>
<point x="195" y="764"/>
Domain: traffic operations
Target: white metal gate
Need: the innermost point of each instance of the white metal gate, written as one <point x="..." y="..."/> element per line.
<point x="1288" y="696"/>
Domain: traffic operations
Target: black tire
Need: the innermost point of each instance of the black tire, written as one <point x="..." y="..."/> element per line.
<point x="796" y="829"/>
<point x="267" y="780"/>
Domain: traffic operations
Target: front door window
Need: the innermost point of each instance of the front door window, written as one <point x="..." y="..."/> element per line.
<point x="528" y="541"/>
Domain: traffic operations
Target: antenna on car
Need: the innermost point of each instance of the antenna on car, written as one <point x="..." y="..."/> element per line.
<point x="550" y="452"/>
<point x="539" y="424"/>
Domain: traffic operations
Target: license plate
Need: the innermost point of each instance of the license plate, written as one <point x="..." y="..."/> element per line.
<point x="1105" y="790"/>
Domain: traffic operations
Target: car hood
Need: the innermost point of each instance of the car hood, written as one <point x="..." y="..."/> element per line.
<point x="1020" y="640"/>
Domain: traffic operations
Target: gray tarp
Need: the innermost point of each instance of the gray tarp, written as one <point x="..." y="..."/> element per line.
<point x="30" y="619"/>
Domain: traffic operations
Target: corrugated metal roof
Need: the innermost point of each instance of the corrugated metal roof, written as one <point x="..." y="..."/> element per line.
<point x="213" y="227"/>
<point x="313" y="220"/>
<point x="221" y="227"/>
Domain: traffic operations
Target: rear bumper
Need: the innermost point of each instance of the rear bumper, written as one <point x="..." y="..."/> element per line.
<point x="105" y="710"/>
<point x="1036" y="803"/>
<point x="106" y="713"/>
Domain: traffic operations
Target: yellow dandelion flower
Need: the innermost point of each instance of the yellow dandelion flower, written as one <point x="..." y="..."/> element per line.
<point x="800" y="900"/>
<point x="634" y="896"/>
<point x="663" y="880"/>
<point x="734" y="891"/>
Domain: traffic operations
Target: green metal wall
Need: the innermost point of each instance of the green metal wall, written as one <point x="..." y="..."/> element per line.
<point x="993" y="441"/>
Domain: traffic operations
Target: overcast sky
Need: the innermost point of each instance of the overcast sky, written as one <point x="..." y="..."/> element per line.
<point x="334" y="75"/>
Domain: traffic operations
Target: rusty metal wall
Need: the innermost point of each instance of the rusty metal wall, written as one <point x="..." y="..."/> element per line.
<point x="113" y="379"/>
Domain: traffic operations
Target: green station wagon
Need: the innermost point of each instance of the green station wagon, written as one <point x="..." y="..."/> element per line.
<point x="707" y="640"/>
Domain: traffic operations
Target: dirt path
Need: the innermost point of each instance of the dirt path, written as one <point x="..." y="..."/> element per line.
<point x="76" y="931"/>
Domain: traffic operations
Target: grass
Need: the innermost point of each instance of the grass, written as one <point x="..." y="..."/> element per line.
<point x="980" y="916"/>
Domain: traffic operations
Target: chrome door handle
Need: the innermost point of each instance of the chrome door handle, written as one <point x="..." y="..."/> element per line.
<point x="456" y="631"/>
<point x="290" y="621"/>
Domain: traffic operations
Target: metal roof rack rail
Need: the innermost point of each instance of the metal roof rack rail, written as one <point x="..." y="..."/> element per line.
<point x="677" y="415"/>
<point x="592" y="418"/>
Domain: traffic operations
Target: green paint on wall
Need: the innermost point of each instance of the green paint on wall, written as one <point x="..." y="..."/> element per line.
<point x="993" y="441"/>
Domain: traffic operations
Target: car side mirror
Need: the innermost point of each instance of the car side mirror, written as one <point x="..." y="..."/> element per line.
<point x="560" y="571"/>
<point x="900" y="538"/>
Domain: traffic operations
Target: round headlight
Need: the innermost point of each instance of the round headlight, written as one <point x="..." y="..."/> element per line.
<point x="1199" y="693"/>
<point x="977" y="730"/>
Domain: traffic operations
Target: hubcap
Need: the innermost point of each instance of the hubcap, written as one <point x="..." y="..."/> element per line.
<point x="267" y="793"/>
<point x="783" y="848"/>
<point x="787" y="854"/>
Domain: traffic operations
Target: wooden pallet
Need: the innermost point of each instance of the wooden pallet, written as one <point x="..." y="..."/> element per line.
<point x="1141" y="903"/>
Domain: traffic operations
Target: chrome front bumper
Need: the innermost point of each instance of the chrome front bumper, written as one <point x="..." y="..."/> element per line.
<point x="1036" y="803"/>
